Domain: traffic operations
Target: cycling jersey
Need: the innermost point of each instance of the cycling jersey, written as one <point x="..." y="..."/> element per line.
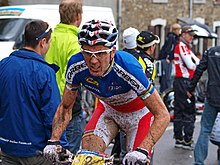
<point x="185" y="60"/>
<point x="120" y="91"/>
<point x="184" y="112"/>
<point x="148" y="65"/>
<point x="120" y="87"/>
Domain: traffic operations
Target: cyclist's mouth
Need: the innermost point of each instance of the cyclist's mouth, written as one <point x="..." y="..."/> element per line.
<point x="95" y="69"/>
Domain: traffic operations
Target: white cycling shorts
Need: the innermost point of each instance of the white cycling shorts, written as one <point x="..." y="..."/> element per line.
<point x="106" y="122"/>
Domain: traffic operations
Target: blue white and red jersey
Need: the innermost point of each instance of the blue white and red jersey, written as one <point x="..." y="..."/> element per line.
<point x="122" y="87"/>
<point x="185" y="60"/>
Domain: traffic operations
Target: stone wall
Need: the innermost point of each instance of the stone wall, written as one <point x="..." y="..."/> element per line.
<point x="139" y="13"/>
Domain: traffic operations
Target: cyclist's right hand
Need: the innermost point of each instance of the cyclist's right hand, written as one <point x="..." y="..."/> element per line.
<point x="51" y="151"/>
<point x="137" y="157"/>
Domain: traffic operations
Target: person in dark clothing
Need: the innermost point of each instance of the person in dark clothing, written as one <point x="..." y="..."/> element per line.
<point x="166" y="56"/>
<point x="211" y="62"/>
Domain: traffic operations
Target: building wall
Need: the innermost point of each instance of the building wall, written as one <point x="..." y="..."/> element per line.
<point x="139" y="13"/>
<point x="104" y="3"/>
<point x="143" y="14"/>
<point x="146" y="14"/>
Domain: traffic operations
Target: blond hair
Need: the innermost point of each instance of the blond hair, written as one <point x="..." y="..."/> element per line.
<point x="69" y="10"/>
<point x="176" y="26"/>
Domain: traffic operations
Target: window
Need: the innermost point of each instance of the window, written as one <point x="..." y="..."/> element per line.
<point x="216" y="2"/>
<point x="199" y="1"/>
<point x="160" y="1"/>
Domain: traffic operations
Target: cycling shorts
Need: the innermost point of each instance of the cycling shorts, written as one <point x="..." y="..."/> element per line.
<point x="106" y="123"/>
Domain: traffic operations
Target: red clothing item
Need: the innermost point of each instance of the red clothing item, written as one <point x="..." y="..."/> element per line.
<point x="185" y="61"/>
<point x="106" y="121"/>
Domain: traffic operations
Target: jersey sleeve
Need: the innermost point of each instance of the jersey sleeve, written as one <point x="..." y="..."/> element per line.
<point x="74" y="68"/>
<point x="146" y="87"/>
<point x="132" y="72"/>
<point x="186" y="55"/>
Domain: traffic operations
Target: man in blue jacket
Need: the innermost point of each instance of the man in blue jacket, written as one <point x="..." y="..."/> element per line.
<point x="29" y="98"/>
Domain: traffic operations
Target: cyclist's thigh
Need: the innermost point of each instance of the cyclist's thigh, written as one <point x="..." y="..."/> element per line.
<point x="139" y="129"/>
<point x="102" y="125"/>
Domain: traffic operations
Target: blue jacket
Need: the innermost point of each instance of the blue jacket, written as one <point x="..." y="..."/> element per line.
<point x="28" y="101"/>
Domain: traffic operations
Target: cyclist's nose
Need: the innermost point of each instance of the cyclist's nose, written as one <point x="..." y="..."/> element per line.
<point x="93" y="55"/>
<point x="93" y="58"/>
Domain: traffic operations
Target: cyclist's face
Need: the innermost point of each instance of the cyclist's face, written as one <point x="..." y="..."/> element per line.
<point x="97" y="58"/>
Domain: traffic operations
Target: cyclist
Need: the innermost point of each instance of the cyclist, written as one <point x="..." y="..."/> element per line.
<point x="128" y="100"/>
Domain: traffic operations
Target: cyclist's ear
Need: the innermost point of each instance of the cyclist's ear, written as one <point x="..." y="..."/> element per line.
<point x="113" y="52"/>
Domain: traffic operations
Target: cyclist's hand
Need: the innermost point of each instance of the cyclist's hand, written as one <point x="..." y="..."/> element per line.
<point x="51" y="151"/>
<point x="137" y="157"/>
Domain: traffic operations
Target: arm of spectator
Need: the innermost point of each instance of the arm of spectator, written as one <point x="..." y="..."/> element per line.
<point x="186" y="55"/>
<point x="198" y="72"/>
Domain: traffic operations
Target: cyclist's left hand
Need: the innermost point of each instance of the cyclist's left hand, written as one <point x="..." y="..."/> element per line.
<point x="137" y="157"/>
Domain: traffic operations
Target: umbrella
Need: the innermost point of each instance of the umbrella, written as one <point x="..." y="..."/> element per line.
<point x="202" y="30"/>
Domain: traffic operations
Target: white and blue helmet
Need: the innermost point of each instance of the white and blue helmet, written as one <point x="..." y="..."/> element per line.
<point x="96" y="32"/>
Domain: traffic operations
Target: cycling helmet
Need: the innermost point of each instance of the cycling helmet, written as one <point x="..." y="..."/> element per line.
<point x="146" y="39"/>
<point x="168" y="98"/>
<point x="98" y="32"/>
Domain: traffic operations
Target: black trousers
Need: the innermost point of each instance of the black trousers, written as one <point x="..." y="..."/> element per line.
<point x="184" y="110"/>
<point x="165" y="79"/>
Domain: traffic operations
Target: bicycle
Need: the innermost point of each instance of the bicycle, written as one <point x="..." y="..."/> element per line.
<point x="200" y="90"/>
<point x="84" y="157"/>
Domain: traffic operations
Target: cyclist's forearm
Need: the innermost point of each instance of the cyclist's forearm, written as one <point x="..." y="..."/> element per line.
<point x="60" y="122"/>
<point x="155" y="132"/>
<point x="160" y="123"/>
<point x="64" y="111"/>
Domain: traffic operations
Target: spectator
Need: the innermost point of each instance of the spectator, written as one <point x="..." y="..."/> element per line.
<point x="63" y="45"/>
<point x="129" y="41"/>
<point x="146" y="44"/>
<point x="29" y="84"/>
<point x="184" y="108"/>
<point x="166" y="56"/>
<point x="211" y="62"/>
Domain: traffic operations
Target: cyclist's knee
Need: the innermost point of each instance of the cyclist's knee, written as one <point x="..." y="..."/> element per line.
<point x="94" y="143"/>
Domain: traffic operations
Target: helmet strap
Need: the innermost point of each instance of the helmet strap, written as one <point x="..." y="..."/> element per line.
<point x="107" y="70"/>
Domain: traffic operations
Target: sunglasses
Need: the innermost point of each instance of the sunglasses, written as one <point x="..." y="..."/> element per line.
<point x="98" y="54"/>
<point x="42" y="34"/>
